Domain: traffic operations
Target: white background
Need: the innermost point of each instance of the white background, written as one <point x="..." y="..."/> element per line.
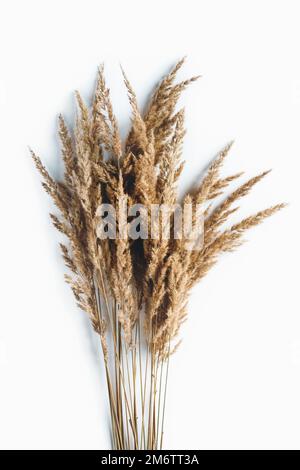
<point x="235" y="382"/>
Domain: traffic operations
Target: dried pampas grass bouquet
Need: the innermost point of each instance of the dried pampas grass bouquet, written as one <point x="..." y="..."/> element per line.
<point x="133" y="251"/>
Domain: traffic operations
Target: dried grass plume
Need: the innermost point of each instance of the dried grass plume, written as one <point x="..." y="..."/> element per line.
<point x="135" y="292"/>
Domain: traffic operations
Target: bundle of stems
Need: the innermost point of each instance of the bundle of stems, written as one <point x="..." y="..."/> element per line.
<point x="135" y="289"/>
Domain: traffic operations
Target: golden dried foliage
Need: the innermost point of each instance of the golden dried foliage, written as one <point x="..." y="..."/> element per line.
<point x="122" y="282"/>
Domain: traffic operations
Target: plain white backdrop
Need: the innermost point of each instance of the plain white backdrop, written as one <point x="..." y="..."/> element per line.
<point x="235" y="382"/>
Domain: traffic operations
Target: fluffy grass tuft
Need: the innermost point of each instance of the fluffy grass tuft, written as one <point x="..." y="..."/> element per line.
<point x="135" y="291"/>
